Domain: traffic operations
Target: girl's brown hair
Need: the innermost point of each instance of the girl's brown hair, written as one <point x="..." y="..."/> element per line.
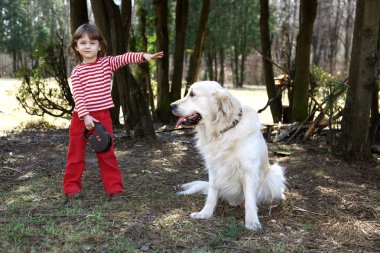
<point x="93" y="33"/>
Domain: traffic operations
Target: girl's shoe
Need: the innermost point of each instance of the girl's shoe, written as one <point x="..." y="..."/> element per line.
<point x="115" y="195"/>
<point x="74" y="195"/>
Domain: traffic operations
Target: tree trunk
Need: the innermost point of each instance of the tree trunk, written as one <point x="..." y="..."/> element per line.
<point x="182" y="9"/>
<point x="348" y="35"/>
<point x="334" y="32"/>
<point x="308" y="10"/>
<point x="78" y="14"/>
<point x="142" y="73"/>
<point x="101" y="20"/>
<point x="195" y="59"/>
<point x="362" y="82"/>
<point x="210" y="65"/>
<point x="243" y="54"/>
<point x="235" y="66"/>
<point x="126" y="16"/>
<point x="163" y="96"/>
<point x="375" y="116"/>
<point x="221" y="62"/>
<point x="215" y="59"/>
<point x="135" y="110"/>
<point x="144" y="67"/>
<point x="242" y="71"/>
<point x="275" y="105"/>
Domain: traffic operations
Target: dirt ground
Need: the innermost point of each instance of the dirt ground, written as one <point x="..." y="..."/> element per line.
<point x="331" y="205"/>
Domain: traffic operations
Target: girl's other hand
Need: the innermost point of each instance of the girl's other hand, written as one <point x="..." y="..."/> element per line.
<point x="150" y="57"/>
<point x="89" y="122"/>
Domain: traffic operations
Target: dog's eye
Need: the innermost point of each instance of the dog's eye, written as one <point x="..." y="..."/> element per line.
<point x="192" y="94"/>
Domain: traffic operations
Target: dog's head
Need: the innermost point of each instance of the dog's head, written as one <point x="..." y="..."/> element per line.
<point x="206" y="101"/>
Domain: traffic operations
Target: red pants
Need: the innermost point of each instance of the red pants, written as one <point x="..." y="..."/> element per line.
<point x="109" y="169"/>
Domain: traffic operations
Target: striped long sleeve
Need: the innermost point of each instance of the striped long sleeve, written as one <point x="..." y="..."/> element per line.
<point x="91" y="82"/>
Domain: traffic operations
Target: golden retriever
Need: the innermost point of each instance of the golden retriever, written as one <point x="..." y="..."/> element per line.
<point x="236" y="156"/>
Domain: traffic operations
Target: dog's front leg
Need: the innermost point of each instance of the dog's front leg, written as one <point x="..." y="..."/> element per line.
<point x="211" y="200"/>
<point x="250" y="189"/>
<point x="208" y="209"/>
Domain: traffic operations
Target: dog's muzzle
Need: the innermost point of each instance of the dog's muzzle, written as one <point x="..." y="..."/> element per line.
<point x="188" y="121"/>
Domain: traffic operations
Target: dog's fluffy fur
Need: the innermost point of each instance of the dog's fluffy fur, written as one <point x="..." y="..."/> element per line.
<point x="235" y="153"/>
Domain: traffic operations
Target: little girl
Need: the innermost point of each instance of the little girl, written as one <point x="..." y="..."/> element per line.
<point x="91" y="85"/>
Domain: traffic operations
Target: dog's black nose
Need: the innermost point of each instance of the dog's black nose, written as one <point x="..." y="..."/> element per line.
<point x="173" y="107"/>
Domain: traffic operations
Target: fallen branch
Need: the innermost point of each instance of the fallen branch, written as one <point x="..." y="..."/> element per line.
<point x="306" y="211"/>
<point x="283" y="134"/>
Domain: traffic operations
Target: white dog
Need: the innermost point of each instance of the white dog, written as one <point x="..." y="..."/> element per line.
<point x="236" y="156"/>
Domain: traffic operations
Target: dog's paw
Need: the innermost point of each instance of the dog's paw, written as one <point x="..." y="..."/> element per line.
<point x="251" y="225"/>
<point x="200" y="215"/>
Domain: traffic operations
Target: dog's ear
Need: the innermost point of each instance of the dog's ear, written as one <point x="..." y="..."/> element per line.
<point x="226" y="105"/>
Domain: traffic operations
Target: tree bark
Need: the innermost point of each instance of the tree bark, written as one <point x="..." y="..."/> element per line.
<point x="308" y="11"/>
<point x="135" y="110"/>
<point x="163" y="96"/>
<point x="195" y="59"/>
<point x="78" y="14"/>
<point x="221" y="62"/>
<point x="375" y="114"/>
<point x="210" y="64"/>
<point x="182" y="9"/>
<point x="102" y="22"/>
<point x="275" y="105"/>
<point x="334" y="39"/>
<point x="144" y="67"/>
<point x="348" y="35"/>
<point x="126" y="16"/>
<point x="354" y="142"/>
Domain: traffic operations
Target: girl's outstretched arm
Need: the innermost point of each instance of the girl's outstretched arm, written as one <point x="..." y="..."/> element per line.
<point x="150" y="57"/>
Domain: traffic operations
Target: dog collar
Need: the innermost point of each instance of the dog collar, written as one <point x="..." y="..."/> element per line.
<point x="234" y="123"/>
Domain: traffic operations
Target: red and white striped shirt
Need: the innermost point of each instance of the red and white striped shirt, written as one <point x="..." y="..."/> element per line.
<point x="91" y="82"/>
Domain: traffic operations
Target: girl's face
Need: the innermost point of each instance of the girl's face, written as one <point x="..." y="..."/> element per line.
<point x="88" y="48"/>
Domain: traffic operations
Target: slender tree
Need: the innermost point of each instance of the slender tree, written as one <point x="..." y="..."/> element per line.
<point x="196" y="57"/>
<point x="126" y="16"/>
<point x="182" y="8"/>
<point x="217" y="40"/>
<point x="143" y="72"/>
<point x="308" y="11"/>
<point x="163" y="93"/>
<point x="275" y="105"/>
<point x="348" y="28"/>
<point x="363" y="81"/>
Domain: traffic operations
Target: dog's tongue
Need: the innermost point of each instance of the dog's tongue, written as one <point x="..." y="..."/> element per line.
<point x="180" y="121"/>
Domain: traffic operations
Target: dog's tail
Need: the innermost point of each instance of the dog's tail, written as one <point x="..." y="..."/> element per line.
<point x="273" y="185"/>
<point x="194" y="187"/>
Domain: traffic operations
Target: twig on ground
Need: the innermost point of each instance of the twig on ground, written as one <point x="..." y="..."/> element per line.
<point x="32" y="210"/>
<point x="306" y="211"/>
<point x="12" y="169"/>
